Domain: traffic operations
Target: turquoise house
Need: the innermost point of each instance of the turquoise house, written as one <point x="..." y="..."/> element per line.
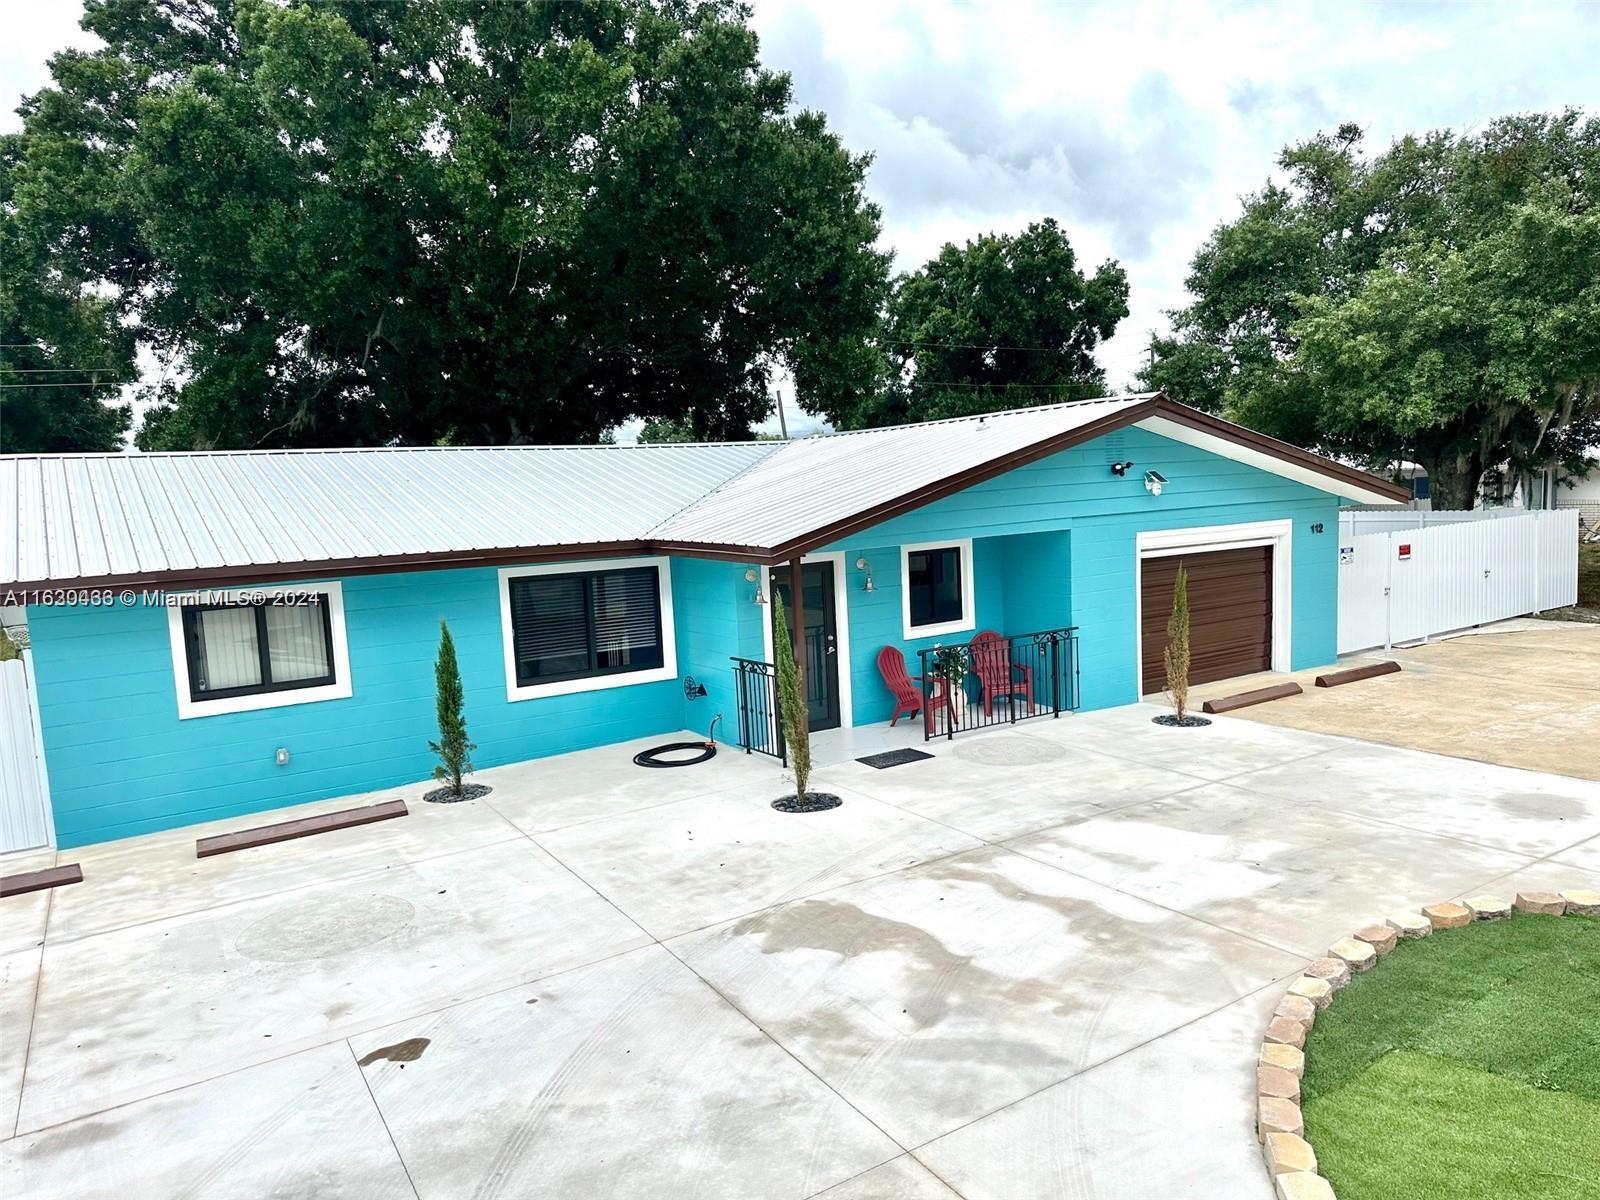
<point x="223" y="633"/>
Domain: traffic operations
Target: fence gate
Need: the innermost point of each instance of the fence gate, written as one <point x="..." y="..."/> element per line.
<point x="1403" y="584"/>
<point x="24" y="796"/>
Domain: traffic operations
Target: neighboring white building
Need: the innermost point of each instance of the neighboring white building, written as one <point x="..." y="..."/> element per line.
<point x="1550" y="488"/>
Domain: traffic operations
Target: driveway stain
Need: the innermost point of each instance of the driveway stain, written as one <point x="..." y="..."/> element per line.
<point x="302" y="930"/>
<point x="401" y="1052"/>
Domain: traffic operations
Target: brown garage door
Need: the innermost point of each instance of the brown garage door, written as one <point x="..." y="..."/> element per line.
<point x="1230" y="613"/>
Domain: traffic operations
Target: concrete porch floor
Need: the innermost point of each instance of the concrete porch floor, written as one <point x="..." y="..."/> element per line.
<point x="1034" y="966"/>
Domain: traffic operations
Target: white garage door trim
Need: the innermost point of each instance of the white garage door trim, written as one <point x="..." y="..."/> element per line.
<point x="1162" y="543"/>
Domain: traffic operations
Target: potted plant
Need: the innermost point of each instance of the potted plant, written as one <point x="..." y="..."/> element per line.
<point x="453" y="746"/>
<point x="950" y="665"/>
<point x="796" y="721"/>
<point x="1175" y="657"/>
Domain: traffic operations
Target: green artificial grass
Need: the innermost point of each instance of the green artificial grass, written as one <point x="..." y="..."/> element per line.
<point x="1465" y="1067"/>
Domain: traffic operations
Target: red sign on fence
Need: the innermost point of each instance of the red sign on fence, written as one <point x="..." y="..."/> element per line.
<point x="1405" y="549"/>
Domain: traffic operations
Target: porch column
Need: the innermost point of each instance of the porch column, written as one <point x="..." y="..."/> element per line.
<point x="797" y="629"/>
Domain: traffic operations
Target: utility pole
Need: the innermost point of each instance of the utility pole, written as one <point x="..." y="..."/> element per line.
<point x="783" y="425"/>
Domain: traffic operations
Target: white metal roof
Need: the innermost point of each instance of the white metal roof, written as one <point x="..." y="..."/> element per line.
<point x="816" y="483"/>
<point x="124" y="516"/>
<point x="259" y="515"/>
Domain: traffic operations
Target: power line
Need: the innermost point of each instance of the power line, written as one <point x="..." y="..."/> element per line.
<point x="947" y="383"/>
<point x="86" y="384"/>
<point x="973" y="346"/>
<point x="56" y="370"/>
<point x="992" y="346"/>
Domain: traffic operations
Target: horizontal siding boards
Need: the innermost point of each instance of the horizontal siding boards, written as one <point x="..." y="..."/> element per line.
<point x="1038" y="581"/>
<point x="121" y="762"/>
<point x="716" y="619"/>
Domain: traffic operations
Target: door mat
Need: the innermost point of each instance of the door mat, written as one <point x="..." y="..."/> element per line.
<point x="893" y="758"/>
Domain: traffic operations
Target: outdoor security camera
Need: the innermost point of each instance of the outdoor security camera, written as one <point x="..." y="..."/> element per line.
<point x="1153" y="482"/>
<point x="1119" y="469"/>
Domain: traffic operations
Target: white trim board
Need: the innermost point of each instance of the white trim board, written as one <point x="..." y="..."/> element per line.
<point x="841" y="627"/>
<point x="1163" y="543"/>
<point x="1227" y="448"/>
<point x="969" y="589"/>
<point x="339" y="689"/>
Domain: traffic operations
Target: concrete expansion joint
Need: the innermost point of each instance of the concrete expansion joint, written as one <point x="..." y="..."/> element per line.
<point x="1290" y="1158"/>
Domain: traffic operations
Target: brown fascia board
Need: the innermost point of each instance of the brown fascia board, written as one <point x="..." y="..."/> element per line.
<point x="964" y="479"/>
<point x="1206" y="423"/>
<point x="1158" y="406"/>
<point x="265" y="573"/>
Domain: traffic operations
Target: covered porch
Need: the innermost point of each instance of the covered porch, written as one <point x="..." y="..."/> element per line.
<point x="938" y="637"/>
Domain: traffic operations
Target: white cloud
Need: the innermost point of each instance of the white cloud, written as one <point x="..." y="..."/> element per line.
<point x="1137" y="125"/>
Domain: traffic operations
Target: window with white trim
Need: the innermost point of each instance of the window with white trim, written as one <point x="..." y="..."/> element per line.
<point x="250" y="648"/>
<point x="937" y="587"/>
<point x="572" y="630"/>
<point x="585" y="624"/>
<point x="246" y="649"/>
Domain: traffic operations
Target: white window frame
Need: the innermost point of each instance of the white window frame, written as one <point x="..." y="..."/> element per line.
<point x="969" y="614"/>
<point x="339" y="689"/>
<point x="565" y="687"/>
<point x="1163" y="543"/>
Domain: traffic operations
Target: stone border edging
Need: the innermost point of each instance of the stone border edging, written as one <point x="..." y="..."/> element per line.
<point x="1291" y="1160"/>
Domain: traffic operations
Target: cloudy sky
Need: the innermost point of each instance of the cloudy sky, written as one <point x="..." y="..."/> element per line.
<point x="1136" y="125"/>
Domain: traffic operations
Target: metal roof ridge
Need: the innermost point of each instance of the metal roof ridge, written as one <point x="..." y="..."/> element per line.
<point x="132" y="456"/>
<point x="777" y="448"/>
<point x="999" y="412"/>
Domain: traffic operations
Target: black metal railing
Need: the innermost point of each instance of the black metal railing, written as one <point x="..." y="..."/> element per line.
<point x="998" y="680"/>
<point x="755" y="689"/>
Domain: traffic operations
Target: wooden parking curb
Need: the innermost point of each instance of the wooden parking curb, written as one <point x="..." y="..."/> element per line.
<point x="285" y="831"/>
<point x="37" y="881"/>
<point x="1245" y="699"/>
<point x="1356" y="674"/>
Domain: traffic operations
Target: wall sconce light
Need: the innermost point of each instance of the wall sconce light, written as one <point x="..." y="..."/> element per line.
<point x="1119" y="469"/>
<point x="863" y="565"/>
<point x="1154" y="481"/>
<point x="751" y="576"/>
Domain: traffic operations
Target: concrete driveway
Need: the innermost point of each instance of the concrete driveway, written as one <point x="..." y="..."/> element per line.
<point x="1035" y="966"/>
<point x="1522" y="693"/>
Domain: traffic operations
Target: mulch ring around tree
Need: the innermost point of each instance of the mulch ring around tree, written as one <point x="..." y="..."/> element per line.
<point x="469" y="791"/>
<point x="814" y="802"/>
<point x="1187" y="723"/>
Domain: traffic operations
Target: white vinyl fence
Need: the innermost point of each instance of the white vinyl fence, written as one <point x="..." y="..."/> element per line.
<point x="1406" y="576"/>
<point x="24" y="796"/>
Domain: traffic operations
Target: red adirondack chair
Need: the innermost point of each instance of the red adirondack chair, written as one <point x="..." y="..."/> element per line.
<point x="907" y="689"/>
<point x="997" y="674"/>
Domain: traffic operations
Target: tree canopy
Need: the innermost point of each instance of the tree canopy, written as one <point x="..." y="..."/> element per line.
<point x="1005" y="321"/>
<point x="338" y="222"/>
<point x="1438" y="302"/>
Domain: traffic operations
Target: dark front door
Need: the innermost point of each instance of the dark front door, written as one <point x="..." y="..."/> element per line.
<point x="821" y="638"/>
<point x="1230" y="613"/>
